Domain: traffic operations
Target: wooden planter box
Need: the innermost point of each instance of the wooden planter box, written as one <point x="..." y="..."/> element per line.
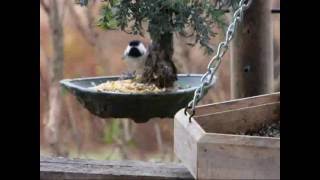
<point x="210" y="148"/>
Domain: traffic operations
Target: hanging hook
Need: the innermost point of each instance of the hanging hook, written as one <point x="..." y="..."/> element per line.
<point x="189" y="106"/>
<point x="191" y="115"/>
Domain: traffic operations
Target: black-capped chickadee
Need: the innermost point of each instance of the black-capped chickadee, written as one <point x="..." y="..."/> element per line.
<point x="135" y="57"/>
<point x="152" y="64"/>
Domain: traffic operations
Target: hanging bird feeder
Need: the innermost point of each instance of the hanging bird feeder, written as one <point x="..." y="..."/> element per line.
<point x="136" y="106"/>
<point x="142" y="107"/>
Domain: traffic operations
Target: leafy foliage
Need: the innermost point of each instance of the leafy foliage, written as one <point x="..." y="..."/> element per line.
<point x="165" y="17"/>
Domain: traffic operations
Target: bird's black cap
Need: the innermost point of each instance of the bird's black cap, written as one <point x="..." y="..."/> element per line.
<point x="134" y="43"/>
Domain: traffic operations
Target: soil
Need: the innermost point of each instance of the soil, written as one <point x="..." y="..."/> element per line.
<point x="269" y="130"/>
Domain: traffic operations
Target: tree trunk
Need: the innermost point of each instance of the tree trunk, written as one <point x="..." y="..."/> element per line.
<point x="252" y="53"/>
<point x="56" y="74"/>
<point x="160" y="68"/>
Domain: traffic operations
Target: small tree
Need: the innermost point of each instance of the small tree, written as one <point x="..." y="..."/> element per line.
<point x="55" y="17"/>
<point x="188" y="18"/>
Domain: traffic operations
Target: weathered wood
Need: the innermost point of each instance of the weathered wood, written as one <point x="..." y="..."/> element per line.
<point x="237" y="104"/>
<point x="63" y="168"/>
<point x="186" y="136"/>
<point x="210" y="148"/>
<point x="240" y="120"/>
<point x="252" y="52"/>
<point x="228" y="160"/>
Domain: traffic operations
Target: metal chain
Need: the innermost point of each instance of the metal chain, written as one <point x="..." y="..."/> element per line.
<point x="214" y="63"/>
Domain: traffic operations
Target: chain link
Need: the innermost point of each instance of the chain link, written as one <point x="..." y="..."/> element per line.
<point x="208" y="78"/>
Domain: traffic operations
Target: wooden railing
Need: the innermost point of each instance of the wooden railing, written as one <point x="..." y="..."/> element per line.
<point x="63" y="168"/>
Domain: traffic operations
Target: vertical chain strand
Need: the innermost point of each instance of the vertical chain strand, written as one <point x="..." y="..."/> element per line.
<point x="208" y="77"/>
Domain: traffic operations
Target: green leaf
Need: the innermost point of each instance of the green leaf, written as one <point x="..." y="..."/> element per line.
<point x="108" y="19"/>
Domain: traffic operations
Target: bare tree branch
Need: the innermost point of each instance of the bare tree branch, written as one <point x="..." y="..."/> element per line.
<point x="43" y="51"/>
<point x="72" y="117"/>
<point x="76" y="19"/>
<point x="90" y="19"/>
<point x="158" y="137"/>
<point x="126" y="130"/>
<point x="43" y="77"/>
<point x="45" y="7"/>
<point x="63" y="9"/>
<point x="120" y="143"/>
<point x="53" y="120"/>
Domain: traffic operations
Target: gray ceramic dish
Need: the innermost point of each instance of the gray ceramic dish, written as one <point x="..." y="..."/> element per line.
<point x="139" y="107"/>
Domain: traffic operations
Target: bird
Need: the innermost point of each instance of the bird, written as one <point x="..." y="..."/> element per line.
<point x="150" y="64"/>
<point x="135" y="56"/>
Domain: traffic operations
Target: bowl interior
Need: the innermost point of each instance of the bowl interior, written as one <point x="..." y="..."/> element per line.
<point x="188" y="82"/>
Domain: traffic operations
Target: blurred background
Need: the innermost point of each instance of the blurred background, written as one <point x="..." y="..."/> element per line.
<point x="70" y="39"/>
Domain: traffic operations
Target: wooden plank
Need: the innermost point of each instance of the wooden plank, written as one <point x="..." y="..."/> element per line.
<point x="240" y="120"/>
<point x="241" y="140"/>
<point x="186" y="136"/>
<point x="237" y="104"/>
<point x="229" y="156"/>
<point x="63" y="168"/>
<point x="234" y="161"/>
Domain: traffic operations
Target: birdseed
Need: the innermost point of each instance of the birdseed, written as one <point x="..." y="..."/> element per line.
<point x="132" y="86"/>
<point x="268" y="130"/>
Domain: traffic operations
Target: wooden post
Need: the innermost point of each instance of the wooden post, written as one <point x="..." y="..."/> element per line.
<point x="252" y="52"/>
